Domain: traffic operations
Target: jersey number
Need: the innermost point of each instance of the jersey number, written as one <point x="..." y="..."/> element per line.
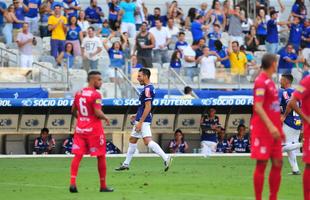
<point x="83" y="108"/>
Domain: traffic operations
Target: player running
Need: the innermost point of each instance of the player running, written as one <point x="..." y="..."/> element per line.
<point x="291" y="125"/>
<point x="266" y="128"/>
<point x="302" y="94"/>
<point x="89" y="134"/>
<point x="142" y="127"/>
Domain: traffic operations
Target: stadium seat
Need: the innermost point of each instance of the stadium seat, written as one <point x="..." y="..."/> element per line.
<point x="108" y="90"/>
<point x="77" y="79"/>
<point x="297" y="74"/>
<point x="46" y="44"/>
<point x="49" y="59"/>
<point x="14" y="74"/>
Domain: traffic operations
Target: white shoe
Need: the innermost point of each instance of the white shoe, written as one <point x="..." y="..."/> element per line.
<point x="168" y="163"/>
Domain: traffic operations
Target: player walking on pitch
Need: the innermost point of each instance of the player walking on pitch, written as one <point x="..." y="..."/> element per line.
<point x="302" y="94"/>
<point x="291" y="124"/>
<point x="266" y="128"/>
<point x="142" y="127"/>
<point x="89" y="134"/>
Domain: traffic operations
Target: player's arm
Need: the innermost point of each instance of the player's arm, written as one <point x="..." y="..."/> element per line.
<point x="74" y="110"/>
<point x="266" y="120"/>
<point x="99" y="113"/>
<point x="293" y="105"/>
<point x="147" y="110"/>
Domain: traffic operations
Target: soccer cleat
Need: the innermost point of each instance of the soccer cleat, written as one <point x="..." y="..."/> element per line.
<point x="107" y="189"/>
<point x="295" y="173"/>
<point x="122" y="167"/>
<point x="73" y="189"/>
<point x="168" y="163"/>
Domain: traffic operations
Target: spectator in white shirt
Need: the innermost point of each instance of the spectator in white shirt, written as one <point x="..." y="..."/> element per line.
<point x="25" y="40"/>
<point x="189" y="56"/>
<point x="208" y="64"/>
<point x="91" y="49"/>
<point x="173" y="29"/>
<point x="162" y="40"/>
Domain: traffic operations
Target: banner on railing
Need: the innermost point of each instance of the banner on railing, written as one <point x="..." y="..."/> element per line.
<point x="219" y="101"/>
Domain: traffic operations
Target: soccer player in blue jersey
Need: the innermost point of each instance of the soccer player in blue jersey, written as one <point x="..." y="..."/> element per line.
<point x="291" y="124"/>
<point x="223" y="145"/>
<point x="142" y="124"/>
<point x="240" y="143"/>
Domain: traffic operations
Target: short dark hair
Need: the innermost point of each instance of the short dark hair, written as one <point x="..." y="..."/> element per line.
<point x="145" y="71"/>
<point x="45" y="130"/>
<point x="268" y="59"/>
<point x="187" y="90"/>
<point x="91" y="73"/>
<point x="195" y="42"/>
<point x="181" y="33"/>
<point x="198" y="17"/>
<point x="236" y="42"/>
<point x="289" y="77"/>
<point x="92" y="28"/>
<point x="240" y="126"/>
<point x="157" y="8"/>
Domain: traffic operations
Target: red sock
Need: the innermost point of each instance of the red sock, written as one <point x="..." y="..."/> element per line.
<point x="306" y="180"/>
<point x="102" y="169"/>
<point x="259" y="179"/>
<point x="274" y="181"/>
<point x="74" y="168"/>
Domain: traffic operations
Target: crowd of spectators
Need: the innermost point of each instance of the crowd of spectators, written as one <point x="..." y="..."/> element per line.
<point x="209" y="38"/>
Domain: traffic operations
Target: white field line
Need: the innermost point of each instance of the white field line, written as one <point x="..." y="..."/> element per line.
<point x="141" y="155"/>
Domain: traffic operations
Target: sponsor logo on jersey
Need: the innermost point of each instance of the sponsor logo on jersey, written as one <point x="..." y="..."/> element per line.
<point x="260" y="92"/>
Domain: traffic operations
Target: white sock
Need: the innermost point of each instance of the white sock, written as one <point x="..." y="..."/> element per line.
<point x="156" y="148"/>
<point x="131" y="150"/>
<point x="291" y="147"/>
<point x="293" y="161"/>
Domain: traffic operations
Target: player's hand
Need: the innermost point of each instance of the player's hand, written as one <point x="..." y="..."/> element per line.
<point x="275" y="133"/>
<point x="282" y="118"/>
<point x="138" y="127"/>
<point x="107" y="121"/>
<point x="132" y="117"/>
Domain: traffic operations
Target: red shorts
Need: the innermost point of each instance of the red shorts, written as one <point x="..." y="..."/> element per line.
<point x="306" y="146"/>
<point x="93" y="144"/>
<point x="264" y="148"/>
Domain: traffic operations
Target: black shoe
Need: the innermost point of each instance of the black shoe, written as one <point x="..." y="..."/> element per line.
<point x="107" y="189"/>
<point x="168" y="163"/>
<point x="122" y="167"/>
<point x="73" y="189"/>
<point x="296" y="173"/>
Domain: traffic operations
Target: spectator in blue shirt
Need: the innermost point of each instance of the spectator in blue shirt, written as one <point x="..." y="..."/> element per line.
<point x="71" y="8"/>
<point x="197" y="28"/>
<point x="46" y="10"/>
<point x="94" y="14"/>
<point x="213" y="36"/>
<point x="261" y="25"/>
<point x="299" y="9"/>
<point x="222" y="52"/>
<point x="306" y="34"/>
<point x="20" y="10"/>
<point x="178" y="144"/>
<point x="2" y="10"/>
<point x="66" y="58"/>
<point x="223" y="145"/>
<point x="67" y="145"/>
<point x="32" y="15"/>
<point x="113" y="13"/>
<point x="105" y="30"/>
<point x="181" y="43"/>
<point x="240" y="143"/>
<point x="45" y="144"/>
<point x="296" y="30"/>
<point x="287" y="59"/>
<point x="127" y="12"/>
<point x="175" y="62"/>
<point x="74" y="35"/>
<point x="272" y="39"/>
<point x="157" y="15"/>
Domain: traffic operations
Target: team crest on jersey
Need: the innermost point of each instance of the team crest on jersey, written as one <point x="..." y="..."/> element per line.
<point x="285" y="95"/>
<point x="147" y="92"/>
<point x="98" y="101"/>
<point x="263" y="150"/>
<point x="260" y="92"/>
<point x="300" y="89"/>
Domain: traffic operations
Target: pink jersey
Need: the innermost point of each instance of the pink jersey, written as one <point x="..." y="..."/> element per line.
<point x="302" y="93"/>
<point x="265" y="91"/>
<point x="86" y="101"/>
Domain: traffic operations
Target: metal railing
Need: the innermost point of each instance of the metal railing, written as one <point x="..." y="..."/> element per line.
<point x="173" y="76"/>
<point x="6" y="57"/>
<point x="130" y="90"/>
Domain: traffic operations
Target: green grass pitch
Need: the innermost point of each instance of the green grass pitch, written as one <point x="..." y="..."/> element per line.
<point x="190" y="178"/>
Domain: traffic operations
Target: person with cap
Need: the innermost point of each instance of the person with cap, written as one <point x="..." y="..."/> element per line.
<point x="57" y="24"/>
<point x="272" y="39"/>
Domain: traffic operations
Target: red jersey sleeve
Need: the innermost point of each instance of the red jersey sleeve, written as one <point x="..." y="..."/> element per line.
<point x="97" y="101"/>
<point x="259" y="91"/>
<point x="302" y="90"/>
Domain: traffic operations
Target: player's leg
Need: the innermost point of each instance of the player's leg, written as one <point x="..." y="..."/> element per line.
<point x="158" y="150"/>
<point x="258" y="178"/>
<point x="306" y="182"/>
<point x="132" y="146"/>
<point x="275" y="172"/>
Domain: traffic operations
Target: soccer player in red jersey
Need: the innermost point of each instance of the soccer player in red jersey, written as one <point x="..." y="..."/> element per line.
<point x="302" y="94"/>
<point x="266" y="129"/>
<point x="89" y="136"/>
